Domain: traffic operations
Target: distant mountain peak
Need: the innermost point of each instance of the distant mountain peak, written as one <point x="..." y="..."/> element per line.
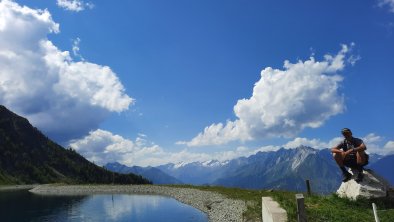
<point x="180" y="164"/>
<point x="305" y="148"/>
<point x="214" y="163"/>
<point x="301" y="155"/>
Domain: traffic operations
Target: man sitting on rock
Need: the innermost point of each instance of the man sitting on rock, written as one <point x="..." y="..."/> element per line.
<point x="350" y="153"/>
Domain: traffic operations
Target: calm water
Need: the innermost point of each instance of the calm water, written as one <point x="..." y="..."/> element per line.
<point x="24" y="206"/>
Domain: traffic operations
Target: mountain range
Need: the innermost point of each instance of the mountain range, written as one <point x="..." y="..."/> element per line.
<point x="284" y="169"/>
<point x="151" y="173"/>
<point x="28" y="156"/>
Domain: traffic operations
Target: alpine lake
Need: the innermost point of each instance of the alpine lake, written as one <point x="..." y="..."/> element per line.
<point x="22" y="205"/>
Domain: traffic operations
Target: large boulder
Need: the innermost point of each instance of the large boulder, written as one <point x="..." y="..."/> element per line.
<point x="372" y="186"/>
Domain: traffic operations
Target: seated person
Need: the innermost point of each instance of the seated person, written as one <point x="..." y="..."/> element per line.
<point x="350" y="153"/>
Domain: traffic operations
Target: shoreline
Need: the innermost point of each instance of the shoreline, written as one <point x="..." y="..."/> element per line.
<point x="17" y="187"/>
<point x="216" y="206"/>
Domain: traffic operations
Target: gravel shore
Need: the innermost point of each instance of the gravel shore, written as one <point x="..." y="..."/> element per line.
<point x="216" y="206"/>
<point x="16" y="187"/>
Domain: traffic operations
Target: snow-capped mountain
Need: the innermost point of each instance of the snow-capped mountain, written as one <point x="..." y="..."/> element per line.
<point x="197" y="173"/>
<point x="285" y="169"/>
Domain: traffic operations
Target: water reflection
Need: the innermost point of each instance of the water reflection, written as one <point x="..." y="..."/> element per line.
<point x="136" y="205"/>
<point x="23" y="206"/>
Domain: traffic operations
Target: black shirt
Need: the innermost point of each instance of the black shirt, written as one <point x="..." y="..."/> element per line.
<point x="346" y="145"/>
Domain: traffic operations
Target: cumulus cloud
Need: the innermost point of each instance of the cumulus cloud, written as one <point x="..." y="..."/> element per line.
<point x="64" y="98"/>
<point x="75" y="49"/>
<point x="372" y="138"/>
<point x="103" y="147"/>
<point x="315" y="143"/>
<point x="376" y="144"/>
<point x="389" y="147"/>
<point x="284" y="102"/>
<point x="388" y="3"/>
<point x="74" y="5"/>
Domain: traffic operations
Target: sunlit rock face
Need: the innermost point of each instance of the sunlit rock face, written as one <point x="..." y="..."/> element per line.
<point x="371" y="186"/>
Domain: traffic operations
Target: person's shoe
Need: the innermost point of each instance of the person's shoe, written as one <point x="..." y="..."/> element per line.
<point x="360" y="177"/>
<point x="346" y="177"/>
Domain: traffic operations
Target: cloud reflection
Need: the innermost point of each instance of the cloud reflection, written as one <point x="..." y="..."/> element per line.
<point x="119" y="206"/>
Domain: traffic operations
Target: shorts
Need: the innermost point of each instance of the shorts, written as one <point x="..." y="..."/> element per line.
<point x="350" y="162"/>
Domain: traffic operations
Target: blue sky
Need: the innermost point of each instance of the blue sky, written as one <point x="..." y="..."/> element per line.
<point x="151" y="82"/>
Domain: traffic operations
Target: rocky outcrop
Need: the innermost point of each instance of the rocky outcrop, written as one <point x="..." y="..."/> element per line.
<point x="371" y="186"/>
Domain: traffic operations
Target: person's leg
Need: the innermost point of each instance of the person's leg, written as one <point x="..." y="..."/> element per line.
<point x="361" y="160"/>
<point x="339" y="159"/>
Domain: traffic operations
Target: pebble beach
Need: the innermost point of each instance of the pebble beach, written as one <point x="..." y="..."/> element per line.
<point x="218" y="207"/>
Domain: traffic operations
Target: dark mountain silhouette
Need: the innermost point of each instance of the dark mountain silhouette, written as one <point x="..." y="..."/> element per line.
<point x="28" y="156"/>
<point x="151" y="173"/>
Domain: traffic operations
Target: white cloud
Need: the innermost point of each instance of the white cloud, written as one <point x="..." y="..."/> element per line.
<point x="218" y="134"/>
<point x="314" y="143"/>
<point x="64" y="98"/>
<point x="372" y="138"/>
<point x="127" y="205"/>
<point x="379" y="148"/>
<point x="75" y="49"/>
<point x="102" y="147"/>
<point x="284" y="102"/>
<point x="389" y="147"/>
<point x="388" y="3"/>
<point x="74" y="5"/>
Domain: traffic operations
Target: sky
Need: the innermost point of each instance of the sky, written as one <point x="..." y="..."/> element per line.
<point x="153" y="82"/>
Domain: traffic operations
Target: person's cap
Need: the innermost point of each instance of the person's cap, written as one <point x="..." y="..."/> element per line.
<point x="346" y="130"/>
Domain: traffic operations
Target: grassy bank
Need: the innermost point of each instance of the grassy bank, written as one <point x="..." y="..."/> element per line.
<point x="319" y="208"/>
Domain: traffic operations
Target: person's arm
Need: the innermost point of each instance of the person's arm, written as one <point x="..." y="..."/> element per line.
<point x="336" y="149"/>
<point x="362" y="147"/>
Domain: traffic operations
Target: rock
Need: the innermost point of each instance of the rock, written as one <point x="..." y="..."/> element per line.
<point x="372" y="186"/>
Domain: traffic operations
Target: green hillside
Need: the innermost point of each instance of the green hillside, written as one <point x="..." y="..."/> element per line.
<point x="319" y="208"/>
<point x="27" y="156"/>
